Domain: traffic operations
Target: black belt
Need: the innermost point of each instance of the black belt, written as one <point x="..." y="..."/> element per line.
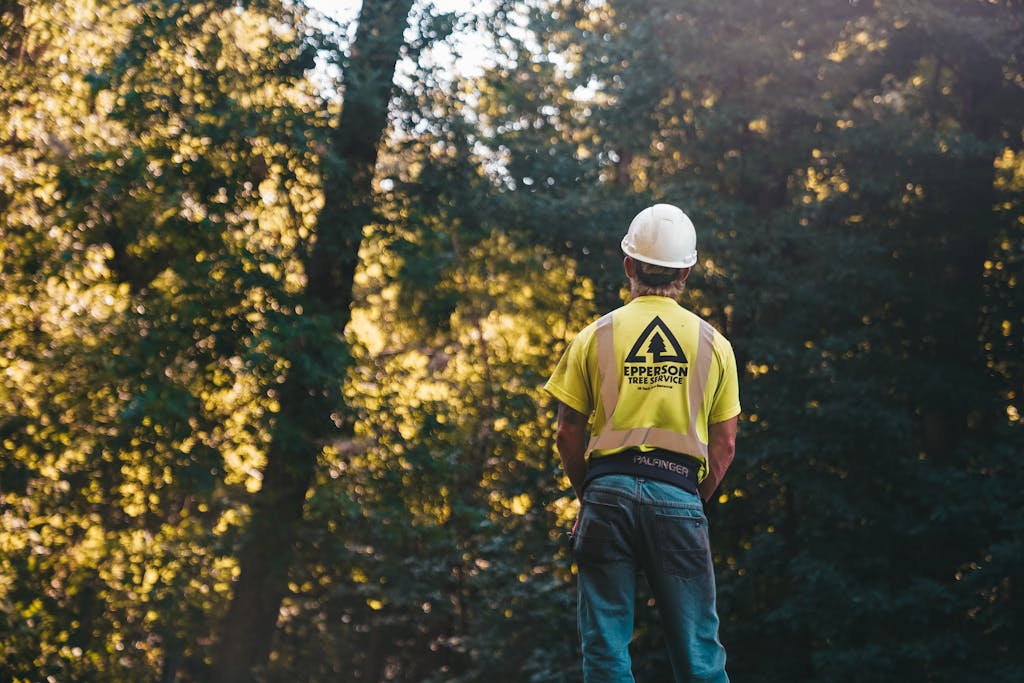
<point x="672" y="468"/>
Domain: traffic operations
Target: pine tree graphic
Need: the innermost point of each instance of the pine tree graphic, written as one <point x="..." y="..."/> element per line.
<point x="656" y="348"/>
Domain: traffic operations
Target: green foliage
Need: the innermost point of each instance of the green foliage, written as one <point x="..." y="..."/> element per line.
<point x="855" y="172"/>
<point x="842" y="161"/>
<point x="150" y="232"/>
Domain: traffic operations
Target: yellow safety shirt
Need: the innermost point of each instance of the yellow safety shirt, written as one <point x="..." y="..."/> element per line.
<point x="660" y="372"/>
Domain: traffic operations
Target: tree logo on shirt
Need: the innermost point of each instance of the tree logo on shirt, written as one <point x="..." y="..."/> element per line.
<point x="660" y="344"/>
<point x="656" y="359"/>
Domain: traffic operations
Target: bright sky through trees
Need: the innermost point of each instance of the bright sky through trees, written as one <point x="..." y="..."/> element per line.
<point x="343" y="10"/>
<point x="467" y="53"/>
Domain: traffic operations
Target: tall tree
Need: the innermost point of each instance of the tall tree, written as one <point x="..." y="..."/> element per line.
<point x="309" y="394"/>
<point x="150" y="193"/>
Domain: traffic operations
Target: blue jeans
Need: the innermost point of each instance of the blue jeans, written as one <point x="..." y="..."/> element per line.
<point x="628" y="526"/>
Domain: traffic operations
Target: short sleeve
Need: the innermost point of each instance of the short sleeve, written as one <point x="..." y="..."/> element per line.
<point x="570" y="381"/>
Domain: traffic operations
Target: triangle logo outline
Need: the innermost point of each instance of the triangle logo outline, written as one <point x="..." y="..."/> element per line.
<point x="656" y="335"/>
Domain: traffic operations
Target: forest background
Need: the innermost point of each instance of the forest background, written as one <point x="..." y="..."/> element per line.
<point x="279" y="295"/>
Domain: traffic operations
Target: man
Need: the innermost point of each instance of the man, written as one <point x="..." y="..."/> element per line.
<point x="660" y="388"/>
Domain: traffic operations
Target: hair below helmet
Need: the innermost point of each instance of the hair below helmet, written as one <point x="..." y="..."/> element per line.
<point x="655" y="276"/>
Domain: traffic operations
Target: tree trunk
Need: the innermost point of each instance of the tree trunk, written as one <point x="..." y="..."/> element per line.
<point x="309" y="395"/>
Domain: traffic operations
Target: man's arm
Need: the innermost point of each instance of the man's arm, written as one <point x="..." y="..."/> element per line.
<point x="721" y="449"/>
<point x="571" y="440"/>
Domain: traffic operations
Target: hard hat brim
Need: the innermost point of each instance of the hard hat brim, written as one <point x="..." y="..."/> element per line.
<point x="630" y="252"/>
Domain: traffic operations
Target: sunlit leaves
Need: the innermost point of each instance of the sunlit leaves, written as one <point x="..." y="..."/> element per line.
<point x="158" y="192"/>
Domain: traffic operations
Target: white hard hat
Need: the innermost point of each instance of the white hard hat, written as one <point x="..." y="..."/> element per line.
<point x="662" y="235"/>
